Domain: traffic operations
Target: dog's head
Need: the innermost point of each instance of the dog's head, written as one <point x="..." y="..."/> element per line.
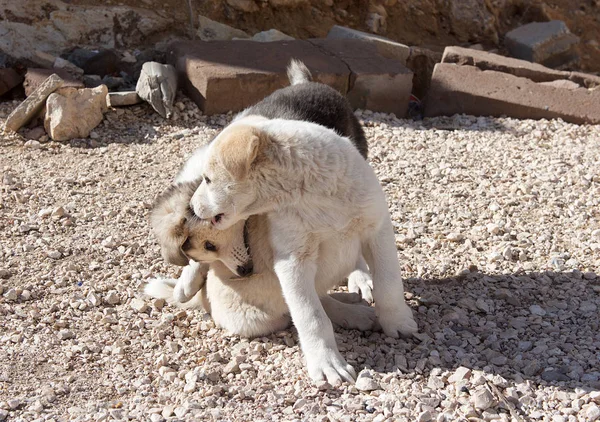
<point x="227" y="189"/>
<point x="183" y="236"/>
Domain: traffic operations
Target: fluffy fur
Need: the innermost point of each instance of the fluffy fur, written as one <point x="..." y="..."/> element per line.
<point x="323" y="202"/>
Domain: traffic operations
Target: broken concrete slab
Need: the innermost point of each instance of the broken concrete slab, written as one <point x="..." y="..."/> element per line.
<point x="33" y="104"/>
<point x="123" y="98"/>
<point x="467" y="89"/>
<point x="223" y="76"/>
<point x="549" y="43"/>
<point x="522" y="68"/>
<point x="75" y="112"/>
<point x="35" y="77"/>
<point x="209" y="30"/>
<point x="488" y="61"/>
<point x="9" y="79"/>
<point x="376" y="83"/>
<point x="158" y="86"/>
<point x="385" y="46"/>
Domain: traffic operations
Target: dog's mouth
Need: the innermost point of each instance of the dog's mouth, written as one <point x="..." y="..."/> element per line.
<point x="217" y="219"/>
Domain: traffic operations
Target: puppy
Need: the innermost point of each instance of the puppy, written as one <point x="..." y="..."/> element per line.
<point x="302" y="100"/>
<point x="250" y="306"/>
<point x="318" y="194"/>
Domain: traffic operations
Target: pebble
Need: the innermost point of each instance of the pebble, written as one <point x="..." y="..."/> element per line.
<point x="54" y="254"/>
<point x="592" y="413"/>
<point x="3" y="414"/>
<point x="112" y="298"/>
<point x="66" y="334"/>
<point x="11" y="294"/>
<point x="139" y="305"/>
<point x="483" y="399"/>
<point x="365" y="382"/>
<point x="33" y="144"/>
<point x="537" y="310"/>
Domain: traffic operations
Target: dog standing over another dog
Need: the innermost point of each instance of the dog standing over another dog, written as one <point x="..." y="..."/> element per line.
<point x="316" y="193"/>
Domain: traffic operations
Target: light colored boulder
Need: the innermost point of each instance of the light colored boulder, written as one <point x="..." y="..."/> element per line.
<point x="209" y="30"/>
<point x="158" y="86"/>
<point x="271" y="35"/>
<point x="33" y="104"/>
<point x="75" y="112"/>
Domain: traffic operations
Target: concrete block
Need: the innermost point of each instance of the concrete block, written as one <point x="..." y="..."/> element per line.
<point x="549" y="43"/>
<point x="376" y="83"/>
<point x="224" y="76"/>
<point x="385" y="46"/>
<point x="466" y="89"/>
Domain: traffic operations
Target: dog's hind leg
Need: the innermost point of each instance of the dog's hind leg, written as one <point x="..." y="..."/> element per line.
<point x="191" y="280"/>
<point x="394" y="314"/>
<point x="359" y="280"/>
<point x="351" y="316"/>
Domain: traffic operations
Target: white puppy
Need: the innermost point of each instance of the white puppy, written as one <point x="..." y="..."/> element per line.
<point x="313" y="186"/>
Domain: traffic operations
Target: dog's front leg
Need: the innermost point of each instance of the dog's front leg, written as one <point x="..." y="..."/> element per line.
<point x="191" y="280"/>
<point x="295" y="265"/>
<point x="394" y="314"/>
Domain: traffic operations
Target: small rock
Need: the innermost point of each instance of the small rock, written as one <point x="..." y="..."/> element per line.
<point x="112" y="298"/>
<point x="454" y="237"/>
<point x="54" y="254"/>
<point x="483" y="399"/>
<point x="124" y="98"/>
<point x="537" y="310"/>
<point x="424" y="416"/>
<point x="11" y="295"/>
<point x="31" y="144"/>
<point x="3" y="414"/>
<point x="5" y="274"/>
<point x="13" y="404"/>
<point x="158" y="86"/>
<point x="323" y="385"/>
<point x="65" y="334"/>
<point x="552" y="375"/>
<point x="139" y="305"/>
<point x="232" y="367"/>
<point x="460" y="374"/>
<point x="365" y="382"/>
<point x="592" y="413"/>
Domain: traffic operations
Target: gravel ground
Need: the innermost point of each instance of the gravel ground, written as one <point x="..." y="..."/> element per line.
<point x="498" y="233"/>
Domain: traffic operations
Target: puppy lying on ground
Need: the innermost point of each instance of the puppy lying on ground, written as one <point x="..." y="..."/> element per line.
<point x="250" y="306"/>
<point x="323" y="204"/>
<point x="182" y="237"/>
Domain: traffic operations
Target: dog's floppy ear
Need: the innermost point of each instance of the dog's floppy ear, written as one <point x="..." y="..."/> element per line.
<point x="239" y="149"/>
<point x="169" y="223"/>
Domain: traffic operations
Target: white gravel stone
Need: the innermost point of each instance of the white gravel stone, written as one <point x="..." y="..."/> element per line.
<point x="139" y="305"/>
<point x="483" y="399"/>
<point x="112" y="298"/>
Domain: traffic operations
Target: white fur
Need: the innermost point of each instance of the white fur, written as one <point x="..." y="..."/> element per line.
<point x="193" y="167"/>
<point x="315" y="189"/>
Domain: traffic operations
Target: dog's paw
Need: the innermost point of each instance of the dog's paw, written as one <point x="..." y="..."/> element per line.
<point x="398" y="321"/>
<point x="184" y="292"/>
<point x="361" y="282"/>
<point x="330" y="366"/>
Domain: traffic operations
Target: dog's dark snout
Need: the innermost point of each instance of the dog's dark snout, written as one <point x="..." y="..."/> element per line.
<point x="245" y="270"/>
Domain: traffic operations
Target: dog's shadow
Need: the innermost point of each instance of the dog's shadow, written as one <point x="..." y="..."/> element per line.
<point x="537" y="326"/>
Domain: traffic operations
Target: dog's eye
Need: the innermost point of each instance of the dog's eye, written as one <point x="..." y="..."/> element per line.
<point x="207" y="180"/>
<point x="210" y="246"/>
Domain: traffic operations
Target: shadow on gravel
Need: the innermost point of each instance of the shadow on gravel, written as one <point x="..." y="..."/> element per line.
<point x="542" y="327"/>
<point x="457" y="122"/>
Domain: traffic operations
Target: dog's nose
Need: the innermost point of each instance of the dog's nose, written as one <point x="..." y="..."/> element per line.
<point x="245" y="270"/>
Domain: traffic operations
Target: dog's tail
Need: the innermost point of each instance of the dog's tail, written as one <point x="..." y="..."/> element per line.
<point x="298" y="73"/>
<point x="162" y="288"/>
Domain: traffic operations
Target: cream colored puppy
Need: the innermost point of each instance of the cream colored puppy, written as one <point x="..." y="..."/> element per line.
<point x="315" y="189"/>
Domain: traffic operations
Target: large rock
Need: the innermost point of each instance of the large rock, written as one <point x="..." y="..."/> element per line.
<point x="385" y="46"/>
<point x="9" y="79"/>
<point x="33" y="104"/>
<point x="376" y="83"/>
<point x="55" y="26"/>
<point x="467" y="89"/>
<point x="209" y="30"/>
<point x="75" y="112"/>
<point x="35" y="77"/>
<point x="230" y="76"/>
<point x="549" y="43"/>
<point x="158" y="86"/>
